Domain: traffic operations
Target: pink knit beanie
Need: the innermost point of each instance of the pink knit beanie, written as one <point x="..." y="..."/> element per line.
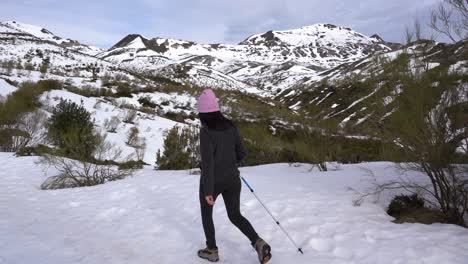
<point x="207" y="102"/>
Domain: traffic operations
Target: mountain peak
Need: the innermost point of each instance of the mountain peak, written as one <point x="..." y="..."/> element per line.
<point x="315" y="35"/>
<point x="131" y="40"/>
<point x="377" y="37"/>
<point x="318" y="45"/>
<point x="319" y="26"/>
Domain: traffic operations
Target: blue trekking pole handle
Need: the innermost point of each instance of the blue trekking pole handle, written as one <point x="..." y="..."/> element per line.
<point x="246" y="183"/>
<point x="272" y="216"/>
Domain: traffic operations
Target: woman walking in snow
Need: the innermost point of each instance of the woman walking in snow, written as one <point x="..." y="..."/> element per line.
<point x="221" y="150"/>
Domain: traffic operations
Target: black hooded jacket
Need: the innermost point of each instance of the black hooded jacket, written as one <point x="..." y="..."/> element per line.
<point x="221" y="151"/>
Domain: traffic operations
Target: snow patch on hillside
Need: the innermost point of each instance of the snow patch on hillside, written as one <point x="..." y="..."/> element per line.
<point x="6" y="88"/>
<point x="36" y="31"/>
<point x="137" y="43"/>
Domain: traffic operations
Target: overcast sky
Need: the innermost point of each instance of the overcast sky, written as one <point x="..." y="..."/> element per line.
<point x="104" y="22"/>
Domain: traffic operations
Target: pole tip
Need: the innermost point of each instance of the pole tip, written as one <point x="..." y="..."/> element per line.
<point x="300" y="250"/>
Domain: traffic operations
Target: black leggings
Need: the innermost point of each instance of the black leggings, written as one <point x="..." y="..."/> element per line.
<point x="231" y="197"/>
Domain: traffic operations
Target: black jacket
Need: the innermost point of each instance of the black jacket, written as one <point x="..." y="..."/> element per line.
<point x="221" y="151"/>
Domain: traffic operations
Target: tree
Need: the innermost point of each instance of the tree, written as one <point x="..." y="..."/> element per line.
<point x="133" y="137"/>
<point x="71" y="129"/>
<point x="315" y="149"/>
<point x="112" y="124"/>
<point x="451" y="19"/>
<point x="28" y="66"/>
<point x="9" y="65"/>
<point x="140" y="149"/>
<point x="44" y="66"/>
<point x="138" y="143"/>
<point x="181" y="149"/>
<point x="106" y="79"/>
<point x="21" y="122"/>
<point x="130" y="116"/>
<point x="413" y="33"/>
<point x="19" y="64"/>
<point x="94" y="71"/>
<point x="28" y="130"/>
<point x="425" y="127"/>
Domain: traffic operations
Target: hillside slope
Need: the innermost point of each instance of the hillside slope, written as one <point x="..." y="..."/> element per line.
<point x="352" y="93"/>
<point x="44" y="34"/>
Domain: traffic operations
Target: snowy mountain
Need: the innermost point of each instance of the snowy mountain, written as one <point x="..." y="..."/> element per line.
<point x="320" y="45"/>
<point x="295" y="70"/>
<point x="45" y="35"/>
<point x="263" y="64"/>
<point x="270" y="61"/>
<point x="29" y="48"/>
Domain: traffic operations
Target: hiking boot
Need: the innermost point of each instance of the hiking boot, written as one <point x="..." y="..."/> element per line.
<point x="209" y="254"/>
<point x="263" y="251"/>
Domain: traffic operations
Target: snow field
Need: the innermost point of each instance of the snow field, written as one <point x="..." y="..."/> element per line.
<point x="153" y="217"/>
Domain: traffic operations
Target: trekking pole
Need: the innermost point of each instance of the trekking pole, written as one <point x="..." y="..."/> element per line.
<point x="272" y="216"/>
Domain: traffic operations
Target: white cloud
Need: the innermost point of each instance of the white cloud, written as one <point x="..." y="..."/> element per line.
<point x="104" y="22"/>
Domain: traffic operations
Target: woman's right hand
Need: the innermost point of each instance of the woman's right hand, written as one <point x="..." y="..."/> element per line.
<point x="210" y="200"/>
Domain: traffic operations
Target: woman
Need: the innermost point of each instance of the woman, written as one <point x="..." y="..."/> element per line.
<point x="221" y="150"/>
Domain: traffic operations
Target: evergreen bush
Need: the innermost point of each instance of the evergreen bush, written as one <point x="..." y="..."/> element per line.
<point x="181" y="149"/>
<point x="71" y="129"/>
<point x="404" y="203"/>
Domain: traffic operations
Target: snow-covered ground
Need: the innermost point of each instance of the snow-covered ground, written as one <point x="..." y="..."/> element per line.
<point x="6" y="88"/>
<point x="153" y="217"/>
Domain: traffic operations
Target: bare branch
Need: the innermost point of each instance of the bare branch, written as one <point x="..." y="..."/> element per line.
<point x="451" y="19"/>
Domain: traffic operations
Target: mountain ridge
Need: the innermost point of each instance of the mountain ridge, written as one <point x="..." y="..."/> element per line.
<point x="269" y="61"/>
<point x="46" y="35"/>
<point x="154" y="75"/>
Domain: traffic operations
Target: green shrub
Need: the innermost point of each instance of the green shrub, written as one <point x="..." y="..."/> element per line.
<point x="146" y="102"/>
<point x="352" y="150"/>
<point x="401" y="204"/>
<point x="90" y="91"/>
<point x="133" y="137"/>
<point x="262" y="147"/>
<point x="179" y="116"/>
<point x="7" y="139"/>
<point x="14" y="109"/>
<point x="12" y="82"/>
<point x="47" y="85"/>
<point x="29" y="66"/>
<point x="112" y="124"/>
<point x="181" y="150"/>
<point x="411" y="209"/>
<point x="132" y="165"/>
<point x="76" y="168"/>
<point x="34" y="151"/>
<point x="25" y="99"/>
<point x="45" y="65"/>
<point x="130" y="116"/>
<point x="123" y="90"/>
<point x="71" y="129"/>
